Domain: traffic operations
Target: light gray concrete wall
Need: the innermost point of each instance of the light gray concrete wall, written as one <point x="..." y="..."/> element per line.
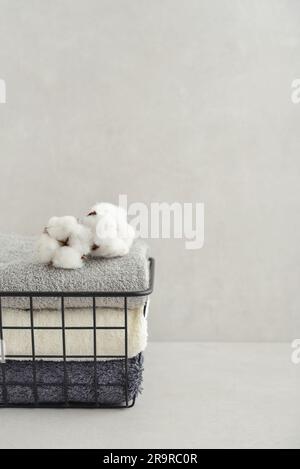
<point x="165" y="100"/>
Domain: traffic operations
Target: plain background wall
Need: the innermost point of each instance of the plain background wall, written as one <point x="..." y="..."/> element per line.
<point x="165" y="100"/>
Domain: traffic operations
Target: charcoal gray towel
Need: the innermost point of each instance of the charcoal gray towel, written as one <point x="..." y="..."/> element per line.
<point x="80" y="379"/>
<point x="20" y="271"/>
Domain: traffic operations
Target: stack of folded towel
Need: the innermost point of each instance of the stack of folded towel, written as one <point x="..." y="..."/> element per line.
<point x="19" y="271"/>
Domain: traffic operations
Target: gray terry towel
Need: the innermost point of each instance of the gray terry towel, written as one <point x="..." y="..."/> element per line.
<point x="20" y="271"/>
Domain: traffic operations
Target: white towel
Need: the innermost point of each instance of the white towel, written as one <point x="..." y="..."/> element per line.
<point x="78" y="342"/>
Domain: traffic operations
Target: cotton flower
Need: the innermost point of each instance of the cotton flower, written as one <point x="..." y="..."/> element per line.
<point x="60" y="233"/>
<point x="110" y="247"/>
<point x="106" y="239"/>
<point x="127" y="234"/>
<point x="67" y="258"/>
<point x="60" y="228"/>
<point x="81" y="240"/>
<point x="104" y="232"/>
<point x="103" y="208"/>
<point x="112" y="236"/>
<point x="46" y="247"/>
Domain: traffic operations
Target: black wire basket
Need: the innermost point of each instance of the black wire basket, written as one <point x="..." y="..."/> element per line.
<point x="34" y="365"/>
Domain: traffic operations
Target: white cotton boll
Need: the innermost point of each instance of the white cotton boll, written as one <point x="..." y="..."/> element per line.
<point x="90" y="222"/>
<point x="46" y="248"/>
<point x="106" y="227"/>
<point x="60" y="228"/>
<point x="81" y="240"/>
<point x="65" y="242"/>
<point x="106" y="241"/>
<point x="110" y="247"/>
<point x="67" y="258"/>
<point x="112" y="236"/>
<point x="126" y="232"/>
<point x="104" y="209"/>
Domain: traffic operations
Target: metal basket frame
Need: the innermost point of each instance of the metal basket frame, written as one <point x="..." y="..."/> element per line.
<point x="33" y="357"/>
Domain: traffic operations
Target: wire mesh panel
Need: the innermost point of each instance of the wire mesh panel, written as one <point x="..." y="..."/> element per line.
<point x="69" y="380"/>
